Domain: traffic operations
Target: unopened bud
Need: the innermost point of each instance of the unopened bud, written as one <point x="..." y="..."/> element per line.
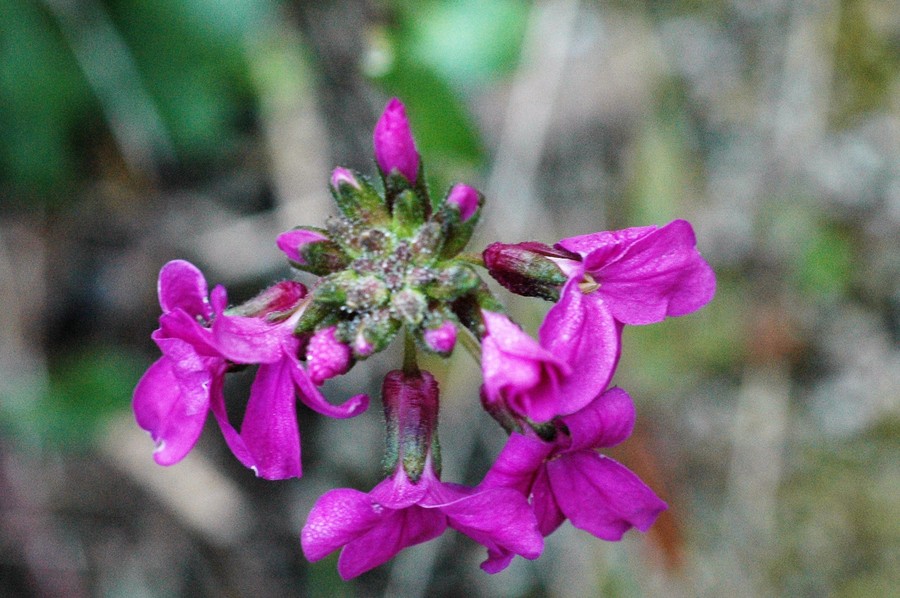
<point x="357" y="199"/>
<point x="293" y="241"/>
<point x="411" y="413"/>
<point x="274" y="303"/>
<point x="326" y="356"/>
<point x="442" y="339"/>
<point x="525" y="268"/>
<point x="458" y="215"/>
<point x="395" y="149"/>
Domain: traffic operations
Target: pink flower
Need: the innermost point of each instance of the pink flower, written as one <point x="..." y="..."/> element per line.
<point x="172" y="399"/>
<point x="413" y="505"/>
<point x="639" y="275"/>
<point x="395" y="148"/>
<point x="199" y="342"/>
<point x="568" y="479"/>
<point x="573" y="362"/>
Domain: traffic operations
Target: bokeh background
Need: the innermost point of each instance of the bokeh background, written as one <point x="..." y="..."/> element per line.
<point x="136" y="132"/>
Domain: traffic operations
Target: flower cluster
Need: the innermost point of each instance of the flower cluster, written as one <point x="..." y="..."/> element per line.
<point x="390" y="264"/>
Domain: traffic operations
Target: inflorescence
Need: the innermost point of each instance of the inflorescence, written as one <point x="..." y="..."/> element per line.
<point x="390" y="264"/>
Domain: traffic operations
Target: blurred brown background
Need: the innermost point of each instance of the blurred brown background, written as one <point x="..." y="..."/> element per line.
<point x="133" y="132"/>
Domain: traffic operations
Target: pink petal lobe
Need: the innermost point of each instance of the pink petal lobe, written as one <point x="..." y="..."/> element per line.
<point x="580" y="331"/>
<point x="173" y="417"/>
<point x="312" y="397"/>
<point x="269" y="429"/>
<point x="659" y="274"/>
<point x="338" y="517"/>
<point x="546" y="509"/>
<point x="395" y="531"/>
<point x="607" y="243"/>
<point x="601" y="496"/>
<point x="606" y="421"/>
<point x="517" y="464"/>
<point x="248" y="340"/>
<point x="182" y="286"/>
<point x="498" y="518"/>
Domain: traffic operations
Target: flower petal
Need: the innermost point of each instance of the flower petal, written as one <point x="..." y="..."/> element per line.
<point x="312" y="397"/>
<point x="580" y="331"/>
<point x="519" y="371"/>
<point x="498" y="518"/>
<point x="181" y="285"/>
<point x="517" y="464"/>
<point x="173" y="416"/>
<point x="546" y="509"/>
<point x="606" y="421"/>
<point x="607" y="243"/>
<point x="660" y="274"/>
<point x="248" y="340"/>
<point x="601" y="496"/>
<point x="338" y="517"/>
<point x="396" y="530"/>
<point x="269" y="429"/>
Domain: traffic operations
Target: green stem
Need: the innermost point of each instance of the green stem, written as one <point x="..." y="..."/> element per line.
<point x="410" y="364"/>
<point x="470" y="343"/>
<point x="471" y="258"/>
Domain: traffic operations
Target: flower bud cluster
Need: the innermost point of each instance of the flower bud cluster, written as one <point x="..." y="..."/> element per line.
<point x="389" y="263"/>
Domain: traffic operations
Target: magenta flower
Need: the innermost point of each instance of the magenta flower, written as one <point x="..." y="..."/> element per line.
<point x="568" y="479"/>
<point x="172" y="399"/>
<point x="199" y="342"/>
<point x="395" y="148"/>
<point x="639" y="275"/>
<point x="573" y="362"/>
<point x="413" y="505"/>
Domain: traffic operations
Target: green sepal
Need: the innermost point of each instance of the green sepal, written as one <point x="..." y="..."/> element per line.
<point x="453" y="282"/>
<point x="322" y="258"/>
<point x="364" y="204"/>
<point x="409" y="213"/>
<point x="314" y="316"/>
<point x="456" y="233"/>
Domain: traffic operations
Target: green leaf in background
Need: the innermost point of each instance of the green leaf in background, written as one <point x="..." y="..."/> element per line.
<point x="85" y="388"/>
<point x="42" y="93"/>
<point x="466" y="42"/>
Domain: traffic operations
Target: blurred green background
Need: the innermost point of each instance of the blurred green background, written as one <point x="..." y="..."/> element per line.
<point x="133" y="132"/>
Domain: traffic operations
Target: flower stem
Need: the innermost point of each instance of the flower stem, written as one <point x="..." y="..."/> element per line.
<point x="471" y="258"/>
<point x="471" y="344"/>
<point x="410" y="364"/>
